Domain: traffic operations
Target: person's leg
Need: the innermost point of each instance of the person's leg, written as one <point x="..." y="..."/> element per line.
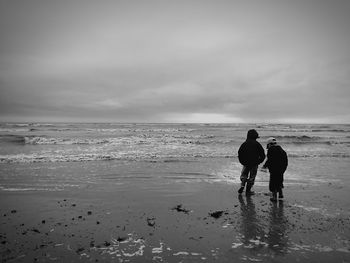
<point x="250" y="182"/>
<point x="274" y="196"/>
<point x="280" y="192"/>
<point x="244" y="178"/>
<point x="274" y="186"/>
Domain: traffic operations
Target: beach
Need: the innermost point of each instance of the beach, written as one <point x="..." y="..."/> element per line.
<point x="170" y="201"/>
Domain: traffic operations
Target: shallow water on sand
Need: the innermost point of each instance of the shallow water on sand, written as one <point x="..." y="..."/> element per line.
<point x="80" y="175"/>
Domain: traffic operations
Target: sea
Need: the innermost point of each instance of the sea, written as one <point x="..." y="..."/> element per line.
<point x="65" y="156"/>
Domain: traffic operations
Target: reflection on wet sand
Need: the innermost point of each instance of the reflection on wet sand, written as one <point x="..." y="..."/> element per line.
<point x="251" y="228"/>
<point x="276" y="237"/>
<point x="263" y="235"/>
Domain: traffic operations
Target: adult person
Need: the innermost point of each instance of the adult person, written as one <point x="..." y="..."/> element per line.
<point x="250" y="155"/>
<point x="277" y="162"/>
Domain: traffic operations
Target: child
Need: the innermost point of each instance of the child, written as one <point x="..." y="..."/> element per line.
<point x="277" y="162"/>
<point x="250" y="155"/>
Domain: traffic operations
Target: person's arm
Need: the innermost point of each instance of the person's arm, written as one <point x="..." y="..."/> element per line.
<point x="240" y="154"/>
<point x="267" y="163"/>
<point x="285" y="160"/>
<point x="261" y="153"/>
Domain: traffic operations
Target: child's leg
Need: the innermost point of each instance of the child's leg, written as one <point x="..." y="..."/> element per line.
<point x="251" y="180"/>
<point x="273" y="186"/>
<point x="244" y="178"/>
<point x="280" y="186"/>
<point x="274" y="196"/>
<point x="280" y="193"/>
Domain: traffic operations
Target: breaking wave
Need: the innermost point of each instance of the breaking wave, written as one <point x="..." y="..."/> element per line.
<point x="143" y="139"/>
<point x="28" y="143"/>
<point x="138" y="156"/>
<point x="84" y="157"/>
<point x="194" y="139"/>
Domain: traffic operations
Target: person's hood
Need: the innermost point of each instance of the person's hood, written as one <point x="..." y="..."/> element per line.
<point x="252" y="134"/>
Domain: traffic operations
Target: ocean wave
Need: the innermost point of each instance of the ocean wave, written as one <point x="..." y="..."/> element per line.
<point x="122" y="156"/>
<point x="164" y="139"/>
<point x="319" y="155"/>
<point x="29" y="189"/>
<point x="140" y="156"/>
<point x="17" y="139"/>
<point x="14" y="130"/>
<point x="20" y="124"/>
<point x="130" y="140"/>
<point x="305" y="139"/>
<point x="330" y="130"/>
<point x="47" y="158"/>
<point x="298" y="137"/>
<point x="42" y="140"/>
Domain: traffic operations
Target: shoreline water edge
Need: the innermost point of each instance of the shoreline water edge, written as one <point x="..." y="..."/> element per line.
<point x="73" y="192"/>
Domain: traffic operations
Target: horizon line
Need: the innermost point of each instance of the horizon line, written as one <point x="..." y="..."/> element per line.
<point x="137" y="122"/>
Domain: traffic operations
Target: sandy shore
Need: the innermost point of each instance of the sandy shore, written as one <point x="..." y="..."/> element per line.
<point x="168" y="221"/>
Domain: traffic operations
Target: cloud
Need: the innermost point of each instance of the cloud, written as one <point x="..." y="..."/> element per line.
<point x="175" y="61"/>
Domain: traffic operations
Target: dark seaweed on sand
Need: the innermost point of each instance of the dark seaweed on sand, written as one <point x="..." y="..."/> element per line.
<point x="151" y="221"/>
<point x="180" y="208"/>
<point x="216" y="214"/>
<point x="121" y="239"/>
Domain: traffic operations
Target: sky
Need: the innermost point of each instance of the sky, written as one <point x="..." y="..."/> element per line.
<point x="216" y="61"/>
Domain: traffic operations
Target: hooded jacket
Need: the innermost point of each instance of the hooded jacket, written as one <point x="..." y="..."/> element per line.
<point x="251" y="153"/>
<point x="277" y="160"/>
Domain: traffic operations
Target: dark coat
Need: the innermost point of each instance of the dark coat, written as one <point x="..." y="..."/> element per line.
<point x="251" y="153"/>
<point x="277" y="160"/>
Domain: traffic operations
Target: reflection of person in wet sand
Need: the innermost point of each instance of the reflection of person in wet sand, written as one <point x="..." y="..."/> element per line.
<point x="276" y="238"/>
<point x="251" y="228"/>
<point x="260" y="234"/>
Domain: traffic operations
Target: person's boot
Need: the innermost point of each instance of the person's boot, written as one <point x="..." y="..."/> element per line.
<point x="248" y="191"/>
<point x="241" y="189"/>
<point x="274" y="197"/>
<point x="280" y="194"/>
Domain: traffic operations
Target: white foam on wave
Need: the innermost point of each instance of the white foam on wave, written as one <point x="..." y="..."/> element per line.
<point x="40" y="140"/>
<point x="151" y="139"/>
<point x="13" y="130"/>
<point x="27" y="189"/>
<point x="164" y="154"/>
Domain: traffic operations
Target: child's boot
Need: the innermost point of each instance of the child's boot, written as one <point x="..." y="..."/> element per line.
<point x="274" y="196"/>
<point x="280" y="194"/>
<point x="240" y="190"/>
<point x="248" y="191"/>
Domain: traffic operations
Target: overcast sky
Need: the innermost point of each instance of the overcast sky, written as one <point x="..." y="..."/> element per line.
<point x="175" y="61"/>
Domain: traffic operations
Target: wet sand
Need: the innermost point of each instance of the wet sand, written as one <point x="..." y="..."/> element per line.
<point x="168" y="221"/>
